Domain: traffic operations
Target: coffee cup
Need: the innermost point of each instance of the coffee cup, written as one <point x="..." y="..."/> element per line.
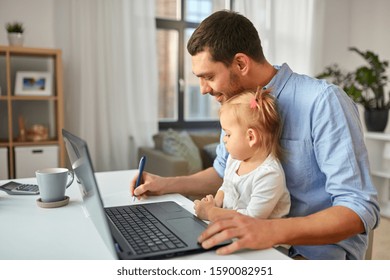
<point x="53" y="182"/>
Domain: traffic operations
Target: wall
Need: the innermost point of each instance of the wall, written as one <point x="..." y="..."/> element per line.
<point x="359" y="23"/>
<point x="336" y="32"/>
<point x="37" y="17"/>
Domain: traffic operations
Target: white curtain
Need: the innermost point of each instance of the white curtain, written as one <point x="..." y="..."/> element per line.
<point x="110" y="76"/>
<point x="290" y="31"/>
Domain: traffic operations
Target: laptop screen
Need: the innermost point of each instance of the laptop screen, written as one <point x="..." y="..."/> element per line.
<point x="82" y="167"/>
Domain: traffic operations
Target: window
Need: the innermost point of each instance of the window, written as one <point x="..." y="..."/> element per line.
<point x="180" y="103"/>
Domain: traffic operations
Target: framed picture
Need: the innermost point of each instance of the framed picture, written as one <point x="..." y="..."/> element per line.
<point x="33" y="83"/>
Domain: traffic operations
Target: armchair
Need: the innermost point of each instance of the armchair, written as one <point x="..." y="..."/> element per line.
<point x="161" y="160"/>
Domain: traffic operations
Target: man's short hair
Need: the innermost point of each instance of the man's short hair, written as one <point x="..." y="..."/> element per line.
<point x="224" y="34"/>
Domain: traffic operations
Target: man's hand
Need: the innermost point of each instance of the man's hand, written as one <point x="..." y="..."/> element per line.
<point x="248" y="232"/>
<point x="325" y="227"/>
<point x="199" y="184"/>
<point x="152" y="185"/>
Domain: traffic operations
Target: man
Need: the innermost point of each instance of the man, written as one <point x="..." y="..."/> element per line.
<point x="333" y="201"/>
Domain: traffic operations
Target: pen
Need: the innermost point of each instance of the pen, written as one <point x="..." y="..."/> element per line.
<point x="141" y="167"/>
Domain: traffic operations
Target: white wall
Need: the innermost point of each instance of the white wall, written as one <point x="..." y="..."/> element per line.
<point x="356" y="23"/>
<point x="360" y="23"/>
<point x="336" y="32"/>
<point x="37" y="17"/>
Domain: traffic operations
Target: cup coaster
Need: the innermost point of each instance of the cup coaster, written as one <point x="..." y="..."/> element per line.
<point x="53" y="204"/>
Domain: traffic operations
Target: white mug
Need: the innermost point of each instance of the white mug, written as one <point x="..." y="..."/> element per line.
<point x="53" y="182"/>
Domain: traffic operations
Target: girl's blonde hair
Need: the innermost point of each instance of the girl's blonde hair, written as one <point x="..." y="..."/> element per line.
<point x="258" y="110"/>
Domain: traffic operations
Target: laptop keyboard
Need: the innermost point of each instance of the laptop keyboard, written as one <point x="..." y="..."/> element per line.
<point x="142" y="230"/>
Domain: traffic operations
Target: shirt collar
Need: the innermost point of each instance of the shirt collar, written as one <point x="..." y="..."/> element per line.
<point x="278" y="82"/>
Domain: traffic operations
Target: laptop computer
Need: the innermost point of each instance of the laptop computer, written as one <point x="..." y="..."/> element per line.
<point x="138" y="231"/>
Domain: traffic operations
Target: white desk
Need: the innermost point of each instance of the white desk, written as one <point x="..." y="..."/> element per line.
<point x="30" y="232"/>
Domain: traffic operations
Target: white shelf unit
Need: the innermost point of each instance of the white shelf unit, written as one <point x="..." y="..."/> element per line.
<point x="378" y="147"/>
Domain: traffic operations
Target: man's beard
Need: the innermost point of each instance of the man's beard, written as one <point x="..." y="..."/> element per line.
<point x="234" y="86"/>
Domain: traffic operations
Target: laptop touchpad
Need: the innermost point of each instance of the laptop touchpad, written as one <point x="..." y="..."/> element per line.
<point x="171" y="207"/>
<point x="186" y="225"/>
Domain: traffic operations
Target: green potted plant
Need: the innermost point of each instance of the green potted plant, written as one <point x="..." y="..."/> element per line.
<point x="365" y="85"/>
<point x="15" y="33"/>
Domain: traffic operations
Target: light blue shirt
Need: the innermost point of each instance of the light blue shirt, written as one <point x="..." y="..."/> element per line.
<point x="326" y="162"/>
